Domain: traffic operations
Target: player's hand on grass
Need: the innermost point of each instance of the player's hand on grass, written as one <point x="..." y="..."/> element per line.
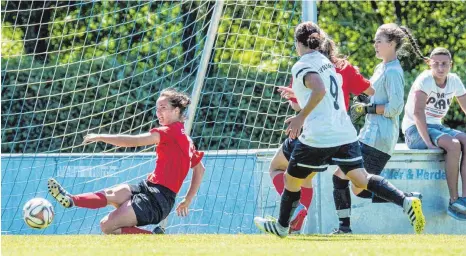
<point x="295" y="124"/>
<point x="182" y="208"/>
<point x="91" y="137"/>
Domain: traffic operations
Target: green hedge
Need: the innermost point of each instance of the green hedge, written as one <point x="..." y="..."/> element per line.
<point x="78" y="103"/>
<point x="106" y="63"/>
<point x="12" y="37"/>
<point x="127" y="31"/>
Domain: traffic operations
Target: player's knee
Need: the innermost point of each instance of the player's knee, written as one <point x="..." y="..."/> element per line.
<point x="109" y="194"/>
<point x="365" y="194"/>
<point x="453" y="147"/>
<point x="360" y="180"/>
<point x="338" y="172"/>
<point x="462" y="140"/>
<point x="339" y="183"/>
<point x="105" y="227"/>
<point x="278" y="164"/>
<point x="117" y="195"/>
<point x="275" y="172"/>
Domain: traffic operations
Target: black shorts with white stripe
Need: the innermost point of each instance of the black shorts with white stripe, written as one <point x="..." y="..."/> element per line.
<point x="305" y="159"/>
<point x="287" y="147"/>
<point x="349" y="157"/>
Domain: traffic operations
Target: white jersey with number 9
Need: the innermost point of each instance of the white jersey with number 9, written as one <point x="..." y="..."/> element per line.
<point x="328" y="125"/>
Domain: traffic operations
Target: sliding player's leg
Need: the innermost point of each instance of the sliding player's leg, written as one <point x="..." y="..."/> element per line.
<point x="114" y="196"/>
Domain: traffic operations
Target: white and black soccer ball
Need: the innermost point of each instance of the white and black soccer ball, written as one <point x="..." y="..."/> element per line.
<point x="38" y="213"/>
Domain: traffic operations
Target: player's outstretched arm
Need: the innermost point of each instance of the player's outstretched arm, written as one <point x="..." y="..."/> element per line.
<point x="198" y="173"/>
<point x="123" y="140"/>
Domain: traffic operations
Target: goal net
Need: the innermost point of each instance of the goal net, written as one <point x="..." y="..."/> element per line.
<point x="79" y="67"/>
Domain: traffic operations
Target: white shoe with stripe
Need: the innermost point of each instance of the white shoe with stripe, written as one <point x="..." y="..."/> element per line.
<point x="412" y="206"/>
<point x="271" y="226"/>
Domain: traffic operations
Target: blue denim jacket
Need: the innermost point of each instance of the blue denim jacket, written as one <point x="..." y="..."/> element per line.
<point x="381" y="131"/>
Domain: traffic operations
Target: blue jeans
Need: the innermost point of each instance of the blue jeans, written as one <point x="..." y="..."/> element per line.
<point x="414" y="140"/>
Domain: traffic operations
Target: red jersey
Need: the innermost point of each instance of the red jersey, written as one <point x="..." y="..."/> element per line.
<point x="176" y="154"/>
<point x="353" y="82"/>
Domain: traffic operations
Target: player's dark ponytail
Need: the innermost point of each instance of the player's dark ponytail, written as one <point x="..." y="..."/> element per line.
<point x="177" y="99"/>
<point x="308" y="33"/>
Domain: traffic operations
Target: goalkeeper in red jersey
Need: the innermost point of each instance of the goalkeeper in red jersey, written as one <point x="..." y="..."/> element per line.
<point x="152" y="199"/>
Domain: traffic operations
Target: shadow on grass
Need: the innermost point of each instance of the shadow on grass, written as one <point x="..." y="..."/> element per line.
<point x="331" y="238"/>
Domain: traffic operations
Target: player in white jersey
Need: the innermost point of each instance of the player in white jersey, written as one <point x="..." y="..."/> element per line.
<point x="330" y="112"/>
<point x="354" y="83"/>
<point x="328" y="136"/>
<point x="428" y="102"/>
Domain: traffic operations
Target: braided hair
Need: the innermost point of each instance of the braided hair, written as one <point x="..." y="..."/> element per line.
<point x="399" y="34"/>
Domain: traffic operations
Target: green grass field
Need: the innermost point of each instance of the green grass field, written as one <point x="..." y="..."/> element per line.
<point x="252" y="245"/>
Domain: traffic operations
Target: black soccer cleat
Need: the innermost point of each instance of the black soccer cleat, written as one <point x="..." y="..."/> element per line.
<point x="59" y="193"/>
<point x="341" y="231"/>
<point x="158" y="231"/>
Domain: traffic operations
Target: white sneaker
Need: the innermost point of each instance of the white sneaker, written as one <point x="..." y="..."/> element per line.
<point x="271" y="226"/>
<point x="414" y="194"/>
<point x="412" y="206"/>
<point x="459" y="205"/>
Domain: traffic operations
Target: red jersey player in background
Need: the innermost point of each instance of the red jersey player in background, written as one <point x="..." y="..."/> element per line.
<point x="152" y="199"/>
<point x="352" y="83"/>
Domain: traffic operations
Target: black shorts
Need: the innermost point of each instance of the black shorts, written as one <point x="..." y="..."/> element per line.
<point x="151" y="202"/>
<point x="374" y="159"/>
<point x="306" y="159"/>
<point x="287" y="147"/>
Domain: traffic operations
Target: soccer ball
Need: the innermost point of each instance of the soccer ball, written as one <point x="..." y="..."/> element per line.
<point x="38" y="213"/>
